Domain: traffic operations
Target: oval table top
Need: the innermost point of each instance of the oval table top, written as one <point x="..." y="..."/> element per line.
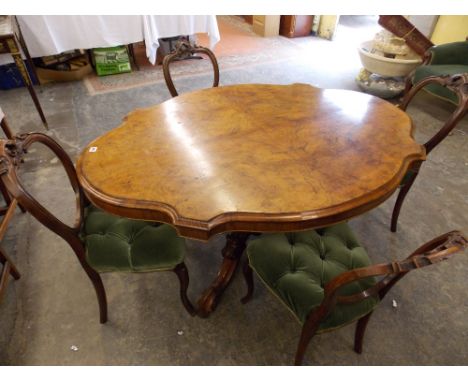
<point x="252" y="158"/>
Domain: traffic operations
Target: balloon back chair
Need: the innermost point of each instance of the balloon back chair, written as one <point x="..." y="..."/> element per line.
<point x="182" y="51"/>
<point x="456" y="84"/>
<point x="325" y="278"/>
<point x="100" y="241"/>
<point x="7" y="131"/>
<point x="8" y="267"/>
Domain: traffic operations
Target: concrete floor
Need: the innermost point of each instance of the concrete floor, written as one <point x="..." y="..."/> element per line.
<point x="53" y="307"/>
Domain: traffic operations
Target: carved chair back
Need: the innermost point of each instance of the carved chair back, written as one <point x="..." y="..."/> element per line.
<point x="185" y="50"/>
<point x="438" y="249"/>
<point x="11" y="154"/>
<point x="8" y="267"/>
<point x="11" y="157"/>
<point x="6" y="196"/>
<point x="458" y="83"/>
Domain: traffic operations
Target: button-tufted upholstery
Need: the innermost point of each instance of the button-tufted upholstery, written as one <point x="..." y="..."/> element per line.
<point x="296" y="267"/>
<point x="450" y="58"/>
<point x="425" y="71"/>
<point x="118" y="244"/>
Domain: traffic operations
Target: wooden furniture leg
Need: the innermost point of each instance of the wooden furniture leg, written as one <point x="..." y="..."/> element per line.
<point x="6" y="129"/>
<point x="359" y="333"/>
<point x="15" y="52"/>
<point x="399" y="202"/>
<point x="232" y="252"/>
<point x="182" y="273"/>
<point x="131" y="52"/>
<point x="248" y="276"/>
<point x="9" y="268"/>
<point x="26" y="51"/>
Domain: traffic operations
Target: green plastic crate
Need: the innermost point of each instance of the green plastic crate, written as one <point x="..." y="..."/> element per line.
<point x="111" y="60"/>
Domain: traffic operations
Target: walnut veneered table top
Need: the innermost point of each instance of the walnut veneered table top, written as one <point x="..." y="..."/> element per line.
<point x="251" y="158"/>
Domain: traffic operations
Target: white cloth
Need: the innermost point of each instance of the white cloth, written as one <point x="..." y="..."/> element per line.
<point x="47" y="35"/>
<point x="1" y="114"/>
<point x="156" y="27"/>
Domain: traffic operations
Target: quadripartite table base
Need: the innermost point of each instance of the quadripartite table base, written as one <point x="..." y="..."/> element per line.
<point x="232" y="252"/>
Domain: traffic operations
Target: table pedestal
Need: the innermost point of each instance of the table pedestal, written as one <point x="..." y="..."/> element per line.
<point x="232" y="252"/>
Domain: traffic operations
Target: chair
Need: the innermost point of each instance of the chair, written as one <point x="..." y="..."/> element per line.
<point x="100" y="241"/>
<point x="4" y="126"/>
<point x="6" y="130"/>
<point x="441" y="60"/>
<point x="325" y="279"/>
<point x="456" y="84"/>
<point x="8" y="267"/>
<point x="185" y="50"/>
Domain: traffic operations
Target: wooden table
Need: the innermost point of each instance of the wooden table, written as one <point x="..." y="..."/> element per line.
<point x="10" y="43"/>
<point x="250" y="158"/>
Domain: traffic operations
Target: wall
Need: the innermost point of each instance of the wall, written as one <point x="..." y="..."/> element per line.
<point x="266" y="25"/>
<point x="425" y="23"/>
<point x="327" y="26"/>
<point x="449" y="29"/>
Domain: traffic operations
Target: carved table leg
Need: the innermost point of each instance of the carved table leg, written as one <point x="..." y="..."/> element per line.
<point x="232" y="252"/>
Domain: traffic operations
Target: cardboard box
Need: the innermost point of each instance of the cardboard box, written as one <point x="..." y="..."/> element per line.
<point x="60" y="58"/>
<point x="111" y="60"/>
<point x="79" y="68"/>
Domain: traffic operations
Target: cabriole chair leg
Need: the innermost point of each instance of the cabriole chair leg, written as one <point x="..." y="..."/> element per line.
<point x="100" y="291"/>
<point x="248" y="276"/>
<point x="308" y="331"/>
<point x="399" y="202"/>
<point x="359" y="333"/>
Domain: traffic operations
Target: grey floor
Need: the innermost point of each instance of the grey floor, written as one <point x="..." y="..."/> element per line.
<point x="53" y="306"/>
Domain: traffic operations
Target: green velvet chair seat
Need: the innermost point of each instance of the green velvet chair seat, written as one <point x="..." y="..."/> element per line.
<point x="425" y="71"/>
<point x="296" y="267"/>
<point x="452" y="53"/>
<point x="118" y="244"/>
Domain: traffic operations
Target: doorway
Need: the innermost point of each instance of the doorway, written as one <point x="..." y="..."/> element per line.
<point x="355" y="29"/>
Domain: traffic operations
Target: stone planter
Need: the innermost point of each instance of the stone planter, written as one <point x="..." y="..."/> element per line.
<point x="386" y="67"/>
